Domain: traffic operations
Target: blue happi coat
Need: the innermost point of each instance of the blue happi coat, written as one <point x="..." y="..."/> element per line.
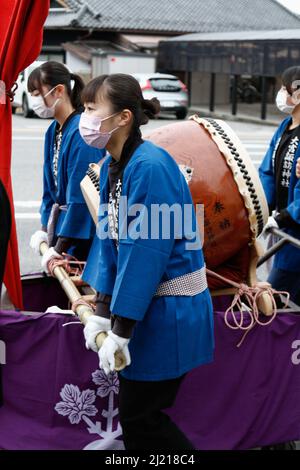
<point x="74" y="158"/>
<point x="173" y="334"/>
<point x="288" y="258"/>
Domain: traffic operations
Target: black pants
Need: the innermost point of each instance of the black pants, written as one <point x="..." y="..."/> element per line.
<point x="145" y="426"/>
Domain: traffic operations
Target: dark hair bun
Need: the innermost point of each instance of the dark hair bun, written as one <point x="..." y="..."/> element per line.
<point x="151" y="107"/>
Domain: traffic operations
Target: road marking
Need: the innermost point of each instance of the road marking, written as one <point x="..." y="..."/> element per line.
<point x="253" y="154"/>
<point x="27" y="203"/>
<point x="258" y="153"/>
<point x="27" y="215"/>
<point x="259" y="146"/>
<point x="27" y="138"/>
<point x="255" y="133"/>
<point x="29" y="129"/>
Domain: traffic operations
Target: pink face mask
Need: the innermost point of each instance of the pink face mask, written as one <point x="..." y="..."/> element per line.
<point x="90" y="130"/>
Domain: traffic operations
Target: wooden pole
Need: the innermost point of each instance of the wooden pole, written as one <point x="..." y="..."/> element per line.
<point x="82" y="311"/>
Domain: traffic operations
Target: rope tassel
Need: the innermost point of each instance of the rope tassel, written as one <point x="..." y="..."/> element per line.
<point x="245" y="317"/>
<point x="66" y="264"/>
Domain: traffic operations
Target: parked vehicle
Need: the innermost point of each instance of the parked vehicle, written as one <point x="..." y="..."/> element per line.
<point x="22" y="97"/>
<point x="168" y="89"/>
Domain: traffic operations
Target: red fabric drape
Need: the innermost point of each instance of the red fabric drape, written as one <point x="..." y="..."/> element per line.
<point x="21" y="34"/>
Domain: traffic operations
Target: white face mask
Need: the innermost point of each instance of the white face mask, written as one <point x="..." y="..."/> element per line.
<point x="40" y="108"/>
<point x="281" y="102"/>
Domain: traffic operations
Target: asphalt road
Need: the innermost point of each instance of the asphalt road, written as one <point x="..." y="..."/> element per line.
<point x="27" y="168"/>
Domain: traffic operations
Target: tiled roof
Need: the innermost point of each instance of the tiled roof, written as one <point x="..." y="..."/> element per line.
<point x="279" y="35"/>
<point x="174" y="16"/>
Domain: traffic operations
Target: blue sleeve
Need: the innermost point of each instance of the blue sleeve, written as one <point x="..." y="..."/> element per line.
<point x="47" y="200"/>
<point x="101" y="267"/>
<point x="106" y="268"/>
<point x="267" y="170"/>
<point x="78" y="222"/>
<point x="267" y="173"/>
<point x="143" y="261"/>
<point x="294" y="208"/>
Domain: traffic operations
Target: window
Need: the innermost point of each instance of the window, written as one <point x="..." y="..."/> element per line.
<point x="165" y="84"/>
<point x="57" y="57"/>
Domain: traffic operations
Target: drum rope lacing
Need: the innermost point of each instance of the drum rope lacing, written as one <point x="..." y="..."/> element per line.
<point x="246" y="319"/>
<point x="245" y="174"/>
<point x="94" y="177"/>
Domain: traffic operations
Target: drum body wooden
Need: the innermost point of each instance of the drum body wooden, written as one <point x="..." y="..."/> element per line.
<point x="222" y="177"/>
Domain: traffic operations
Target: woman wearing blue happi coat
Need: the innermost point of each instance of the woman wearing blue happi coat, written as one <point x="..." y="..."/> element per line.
<point x="282" y="187"/>
<point x="66" y="222"/>
<point x="153" y="300"/>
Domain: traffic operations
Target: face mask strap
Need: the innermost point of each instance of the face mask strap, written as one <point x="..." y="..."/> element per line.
<point x="112" y="115"/>
<point x="50" y="91"/>
<point x="105" y="119"/>
<point x="291" y="95"/>
<point x="113" y="130"/>
<point x="296" y="96"/>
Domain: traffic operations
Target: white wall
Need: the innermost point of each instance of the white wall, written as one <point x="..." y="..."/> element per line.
<point x="99" y="66"/>
<point x="77" y="65"/>
<point x="123" y="64"/>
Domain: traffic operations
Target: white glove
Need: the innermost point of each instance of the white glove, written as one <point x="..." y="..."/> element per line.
<point x="37" y="238"/>
<point x="50" y="254"/>
<point x="56" y="309"/>
<point x="269" y="225"/>
<point x="110" y="346"/>
<point x="93" y="327"/>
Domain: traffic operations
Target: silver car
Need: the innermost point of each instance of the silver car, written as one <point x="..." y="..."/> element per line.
<point x="168" y="89"/>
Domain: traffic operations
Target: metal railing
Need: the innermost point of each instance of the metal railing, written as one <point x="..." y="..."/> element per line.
<point x="284" y="239"/>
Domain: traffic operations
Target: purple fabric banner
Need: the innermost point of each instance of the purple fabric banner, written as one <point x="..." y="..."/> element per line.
<point x="57" y="398"/>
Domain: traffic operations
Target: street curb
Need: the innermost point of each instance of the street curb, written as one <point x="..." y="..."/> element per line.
<point x="230" y="117"/>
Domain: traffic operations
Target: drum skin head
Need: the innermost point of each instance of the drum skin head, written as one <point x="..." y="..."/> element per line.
<point x="222" y="177"/>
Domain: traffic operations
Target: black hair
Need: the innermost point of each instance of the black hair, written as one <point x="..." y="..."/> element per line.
<point x="124" y="92"/>
<point x="290" y="76"/>
<point x="55" y="73"/>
